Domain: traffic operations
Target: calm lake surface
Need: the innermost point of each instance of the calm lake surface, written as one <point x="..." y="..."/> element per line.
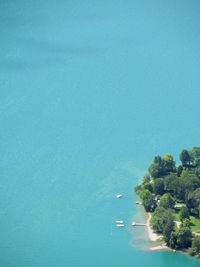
<point x="90" y="92"/>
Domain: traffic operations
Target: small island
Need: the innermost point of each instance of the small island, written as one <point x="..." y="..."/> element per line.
<point x="171" y="196"/>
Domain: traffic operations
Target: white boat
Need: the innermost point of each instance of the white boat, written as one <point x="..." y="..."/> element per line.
<point x="120" y="225"/>
<point x="133" y="223"/>
<point x="118" y="196"/>
<point x="119" y="221"/>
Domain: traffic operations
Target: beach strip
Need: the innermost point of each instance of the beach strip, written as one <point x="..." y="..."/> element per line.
<point x="154" y="236"/>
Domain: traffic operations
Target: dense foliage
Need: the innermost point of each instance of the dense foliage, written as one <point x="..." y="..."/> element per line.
<point x="167" y="201"/>
<point x="196" y="245"/>
<point x="164" y="187"/>
<point x="158" y="186"/>
<point x="184" y="214"/>
<point x="159" y="219"/>
<point x="148" y="200"/>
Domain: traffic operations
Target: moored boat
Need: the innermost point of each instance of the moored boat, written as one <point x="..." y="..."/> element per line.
<point x="119" y="221"/>
<point x="120" y="225"/>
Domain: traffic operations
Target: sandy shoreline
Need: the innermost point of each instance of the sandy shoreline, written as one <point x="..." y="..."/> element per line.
<point x="153" y="236"/>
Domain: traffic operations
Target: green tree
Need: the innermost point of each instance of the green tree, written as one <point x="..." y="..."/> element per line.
<point x="185" y="174"/>
<point x="184" y="157"/>
<point x="146" y="178"/>
<point x="196" y="245"/>
<point x="178" y="189"/>
<point x="196" y="149"/>
<point x="193" y="202"/>
<point x="186" y="223"/>
<point x="195" y="156"/>
<point x="145" y="194"/>
<point x="156" y="169"/>
<point x="168" y="227"/>
<point x="169" y="163"/>
<point x="149" y="204"/>
<point x="192" y="154"/>
<point x="158" y="186"/>
<point x="147" y="200"/>
<point x="184" y="237"/>
<point x="184" y="213"/>
<point x="173" y="240"/>
<point x="167" y="201"/>
<point x="197" y="162"/>
<point x="148" y="186"/>
<point x="158" y="160"/>
<point x="191" y="182"/>
<point x="197" y="171"/>
<point x="168" y="183"/>
<point x="138" y="189"/>
<point x="179" y="170"/>
<point x="159" y="219"/>
<point x="175" y="186"/>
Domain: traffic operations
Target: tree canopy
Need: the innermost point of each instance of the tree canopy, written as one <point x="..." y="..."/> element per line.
<point x="159" y="219"/>
<point x="148" y="200"/>
<point x="184" y="237"/>
<point x="196" y="245"/>
<point x="169" y="163"/>
<point x="167" y="201"/>
<point x="184" y="213"/>
<point x="167" y="188"/>
<point x="193" y="202"/>
<point x="158" y="186"/>
<point x="168" y="227"/>
<point x="185" y="157"/>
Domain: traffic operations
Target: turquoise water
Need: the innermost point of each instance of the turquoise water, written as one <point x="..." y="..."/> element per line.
<point x="90" y="92"/>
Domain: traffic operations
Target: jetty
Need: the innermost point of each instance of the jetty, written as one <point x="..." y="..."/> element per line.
<point x="138" y="224"/>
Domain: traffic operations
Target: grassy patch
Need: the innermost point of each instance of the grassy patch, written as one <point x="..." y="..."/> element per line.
<point x="180" y="204"/>
<point x="195" y="223"/>
<point x="176" y="215"/>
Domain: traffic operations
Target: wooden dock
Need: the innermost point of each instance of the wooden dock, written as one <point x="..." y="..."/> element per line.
<point x="138" y="224"/>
